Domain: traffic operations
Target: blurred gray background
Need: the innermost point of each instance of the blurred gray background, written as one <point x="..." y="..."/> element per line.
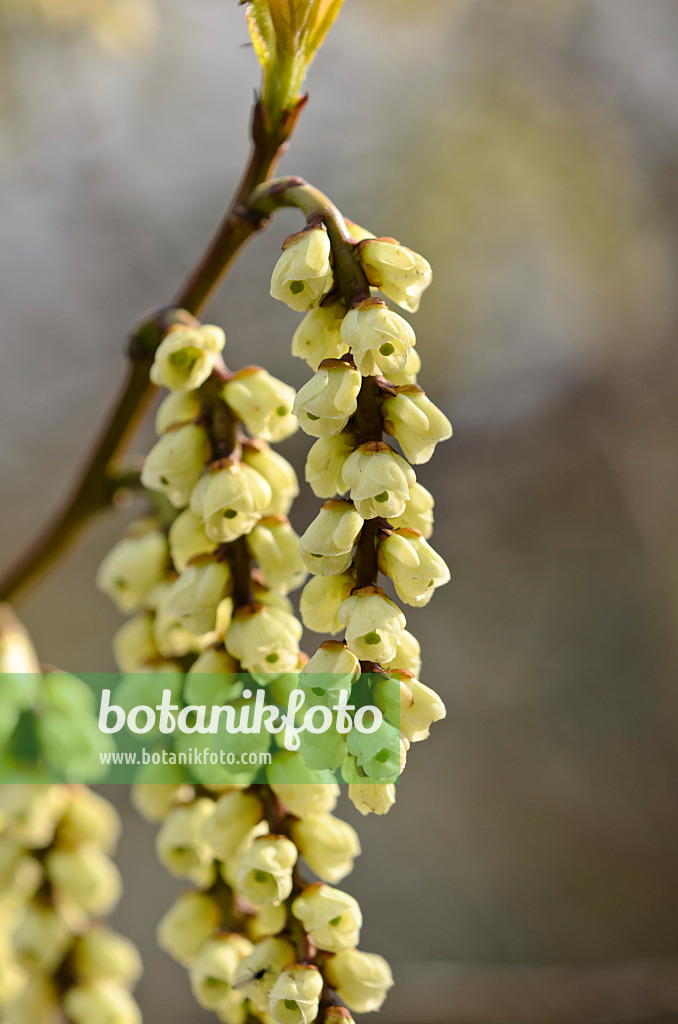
<point x="529" y="149"/>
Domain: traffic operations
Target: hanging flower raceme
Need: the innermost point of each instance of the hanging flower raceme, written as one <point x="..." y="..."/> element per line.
<point x="57" y="880"/>
<point x="364" y="387"/>
<point x="249" y="927"/>
<point x="177" y="577"/>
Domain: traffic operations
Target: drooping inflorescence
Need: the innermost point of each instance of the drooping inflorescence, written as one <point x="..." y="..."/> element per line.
<point x="58" y="959"/>
<point x="207" y="592"/>
<point x="364" y="386"/>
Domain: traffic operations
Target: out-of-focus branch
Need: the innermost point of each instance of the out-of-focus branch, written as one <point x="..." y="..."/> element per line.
<point x="99" y="479"/>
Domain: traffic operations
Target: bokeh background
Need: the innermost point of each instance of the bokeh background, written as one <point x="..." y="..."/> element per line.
<point x="529" y="148"/>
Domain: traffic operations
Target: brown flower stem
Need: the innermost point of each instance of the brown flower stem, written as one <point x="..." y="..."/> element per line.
<point x="280" y="823"/>
<point x="96" y="487"/>
<point x="291" y="191"/>
<point x="354" y="288"/>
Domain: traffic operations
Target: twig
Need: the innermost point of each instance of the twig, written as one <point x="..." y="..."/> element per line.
<point x="96" y="487"/>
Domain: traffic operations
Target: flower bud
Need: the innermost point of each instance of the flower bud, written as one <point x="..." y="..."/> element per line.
<point x="20" y="669"/>
<point x="274" y="545"/>
<point x="264" y="639"/>
<point x="295" y="995"/>
<point x="36" y="1003"/>
<point x="264" y="873"/>
<point x="268" y="920"/>
<point x="301" y="790"/>
<point x="418" y="706"/>
<point x="331" y="669"/>
<point x="325" y="462"/>
<point x="407" y="656"/>
<point x="327" y="401"/>
<point x="235" y="815"/>
<point x="257" y="972"/>
<point x="331" y="917"/>
<point x="374" y="624"/>
<point x="372" y="797"/>
<point x="408" y="375"/>
<point x="194" y="597"/>
<point x="326" y="546"/>
<point x="13" y="984"/>
<point x="180" y="845"/>
<point x="361" y="979"/>
<point x="303" y="273"/>
<point x="212" y="662"/>
<point x="103" y="953"/>
<point x="212" y="973"/>
<point x="186" y="356"/>
<point x="415" y="568"/>
<point x="132" y="568"/>
<point x="380" y="754"/>
<point x="187" y="925"/>
<point x="31" y="812"/>
<point x="86" y="875"/>
<point x="89" y="818"/>
<point x="170" y="631"/>
<point x="231" y="501"/>
<point x="187" y="538"/>
<point x="318" y="336"/>
<point x="101" y="1002"/>
<point x="20" y="874"/>
<point x="262" y="402"/>
<point x="380" y="480"/>
<point x="379" y="339"/>
<point x="177" y="408"/>
<point x="401" y="274"/>
<point x="175" y="462"/>
<point x="415" y="422"/>
<point x="41" y="939"/>
<point x="278" y="474"/>
<point x="418" y="512"/>
<point x="320" y="599"/>
<point x="154" y="800"/>
<point x="271" y="598"/>
<point x="328" y="845"/>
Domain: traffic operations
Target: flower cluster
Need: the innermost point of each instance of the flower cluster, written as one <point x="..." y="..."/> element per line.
<point x="231" y="493"/>
<point x="56" y="881"/>
<point x="364" y="386"/>
<point x="256" y="939"/>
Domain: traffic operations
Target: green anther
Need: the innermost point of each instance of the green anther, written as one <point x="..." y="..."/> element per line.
<point x="336" y="920"/>
<point x="372" y="638"/>
<point x="230" y="513"/>
<point x="296" y="287"/>
<point x="261" y="876"/>
<point x="312" y="417"/>
<point x="164" y="481"/>
<point x="213" y="982"/>
<point x="121" y="583"/>
<point x="381" y="497"/>
<point x="386" y="349"/>
<point x="318" y="691"/>
<point x="382" y="756"/>
<point x="181" y="358"/>
<point x="272" y="658"/>
<point x="429" y="584"/>
<point x="291" y="1004"/>
<point x="313" y="555"/>
<point x="282" y="410"/>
